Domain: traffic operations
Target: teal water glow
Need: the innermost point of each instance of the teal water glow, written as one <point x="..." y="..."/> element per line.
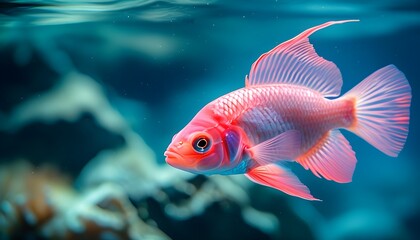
<point x="160" y="62"/>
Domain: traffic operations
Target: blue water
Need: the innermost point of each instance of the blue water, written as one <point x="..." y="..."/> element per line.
<point x="152" y="65"/>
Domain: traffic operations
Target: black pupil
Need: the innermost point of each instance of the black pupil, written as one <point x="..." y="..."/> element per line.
<point x="201" y="143"/>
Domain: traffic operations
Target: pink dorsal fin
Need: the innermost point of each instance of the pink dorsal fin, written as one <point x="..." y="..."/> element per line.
<point x="246" y="81"/>
<point x="277" y="177"/>
<point x="296" y="62"/>
<point x="331" y="157"/>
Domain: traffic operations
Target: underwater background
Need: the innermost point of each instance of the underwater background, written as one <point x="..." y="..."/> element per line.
<point x="91" y="93"/>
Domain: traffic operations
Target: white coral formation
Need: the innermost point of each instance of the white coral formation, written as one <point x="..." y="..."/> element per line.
<point x="105" y="210"/>
<point x="219" y="188"/>
<point x="44" y="204"/>
<point x="69" y="213"/>
<point x="72" y="96"/>
<point x="132" y="166"/>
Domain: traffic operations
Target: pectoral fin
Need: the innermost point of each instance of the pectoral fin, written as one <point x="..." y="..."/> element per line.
<point x="281" y="179"/>
<point x="281" y="147"/>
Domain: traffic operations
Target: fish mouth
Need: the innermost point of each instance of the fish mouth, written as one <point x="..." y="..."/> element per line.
<point x="179" y="161"/>
<point x="173" y="158"/>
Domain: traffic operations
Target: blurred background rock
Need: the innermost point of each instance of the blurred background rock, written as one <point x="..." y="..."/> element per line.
<point x="91" y="93"/>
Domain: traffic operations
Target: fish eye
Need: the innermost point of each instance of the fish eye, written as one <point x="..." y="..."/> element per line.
<point x="201" y="144"/>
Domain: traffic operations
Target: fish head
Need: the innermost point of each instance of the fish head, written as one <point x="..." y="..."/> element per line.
<point x="198" y="148"/>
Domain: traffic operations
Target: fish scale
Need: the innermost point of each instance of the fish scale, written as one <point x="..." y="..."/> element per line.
<point x="295" y="107"/>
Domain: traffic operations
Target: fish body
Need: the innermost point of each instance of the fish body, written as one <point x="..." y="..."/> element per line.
<point x="286" y="113"/>
<point x="264" y="112"/>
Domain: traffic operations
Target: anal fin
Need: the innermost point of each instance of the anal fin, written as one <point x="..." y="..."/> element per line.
<point x="279" y="178"/>
<point x="331" y="157"/>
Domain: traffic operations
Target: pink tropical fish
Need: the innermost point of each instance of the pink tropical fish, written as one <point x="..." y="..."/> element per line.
<point x="285" y="112"/>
